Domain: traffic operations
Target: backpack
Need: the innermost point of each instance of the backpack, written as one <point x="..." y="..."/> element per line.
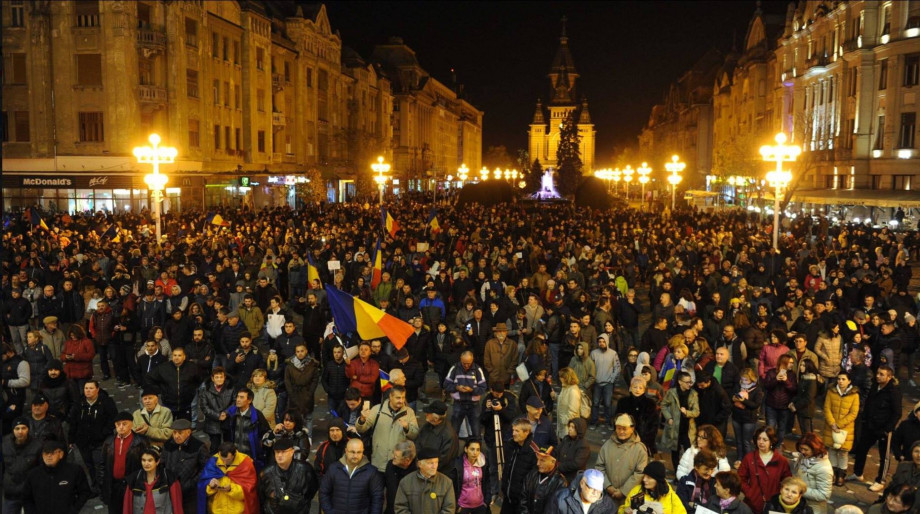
<point x="584" y="410"/>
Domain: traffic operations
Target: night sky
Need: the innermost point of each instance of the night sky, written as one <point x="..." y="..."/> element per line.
<point x="627" y="53"/>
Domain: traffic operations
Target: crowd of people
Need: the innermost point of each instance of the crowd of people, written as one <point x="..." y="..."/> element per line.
<point x="742" y="383"/>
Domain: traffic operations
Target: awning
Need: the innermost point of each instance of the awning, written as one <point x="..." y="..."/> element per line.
<point x="867" y="197"/>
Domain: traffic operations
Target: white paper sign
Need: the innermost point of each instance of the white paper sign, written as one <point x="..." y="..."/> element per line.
<point x="334" y="265"/>
<point x="704" y="510"/>
<point x="421" y="247"/>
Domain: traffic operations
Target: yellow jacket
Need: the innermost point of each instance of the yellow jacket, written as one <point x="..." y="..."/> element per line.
<point x="227" y="502"/>
<point x="670" y="501"/>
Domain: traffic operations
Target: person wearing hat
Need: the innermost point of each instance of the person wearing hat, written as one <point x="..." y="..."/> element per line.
<point x="400" y="466"/>
<point x="52" y="337"/>
<point x="622" y="458"/>
<point x="55" y="485"/>
<point x="20" y="454"/>
<point x="153" y="420"/>
<point x="500" y="355"/>
<point x="184" y="457"/>
<point x="438" y="434"/>
<point x="426" y="490"/>
<point x="653" y="492"/>
<point x="151" y="311"/>
<point x="542" y="482"/>
<point x="289" y="484"/>
<point x="121" y="454"/>
<point x="414" y="370"/>
<point x="43" y="424"/>
<point x="541" y="426"/>
<point x="432" y="308"/>
<point x="584" y="495"/>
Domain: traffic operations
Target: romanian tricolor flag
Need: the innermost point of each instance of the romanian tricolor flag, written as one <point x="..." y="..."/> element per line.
<point x="217" y="219"/>
<point x="378" y="267"/>
<point x="433" y="221"/>
<point x="37" y="220"/>
<point x="384" y="381"/>
<point x="354" y="315"/>
<point x="388" y="222"/>
<point x="312" y="270"/>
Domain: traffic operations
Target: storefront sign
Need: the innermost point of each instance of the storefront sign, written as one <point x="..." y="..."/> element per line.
<point x="288" y="180"/>
<point x="70" y="181"/>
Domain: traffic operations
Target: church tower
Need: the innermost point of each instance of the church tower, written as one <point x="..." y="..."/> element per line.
<point x="564" y="101"/>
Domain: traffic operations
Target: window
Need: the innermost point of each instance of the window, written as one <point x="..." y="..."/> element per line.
<point x="322" y="81"/>
<point x="880" y="133"/>
<point x="237" y="139"/>
<point x="260" y="58"/>
<point x="191" y="83"/>
<point x="309" y="77"/>
<point x="236" y="52"/>
<point x="226" y="94"/>
<point x="227" y="138"/>
<point x="237" y="96"/>
<point x="883" y="75"/>
<point x="901" y="182"/>
<point x="143" y="16"/>
<point x="191" y="32"/>
<point x="854" y="80"/>
<point x="194" y="134"/>
<point x="911" y="70"/>
<point x="908" y="129"/>
<point x="227" y="49"/>
<point x="260" y="100"/>
<point x="876" y="181"/>
<point x="216" y="92"/>
<point x="87" y="13"/>
<point x="17" y="13"/>
<point x="217" y="137"/>
<point x="91" y="130"/>
<point x="215" y="45"/>
<point x="18" y="68"/>
<point x="21" y="119"/>
<point x="261" y="140"/>
<point x="287" y="72"/>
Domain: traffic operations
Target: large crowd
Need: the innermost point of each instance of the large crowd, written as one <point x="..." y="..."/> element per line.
<point x="743" y="383"/>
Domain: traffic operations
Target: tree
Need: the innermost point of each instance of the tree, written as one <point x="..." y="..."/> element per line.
<point x="568" y="158"/>
<point x="315" y="189"/>
<point x="497" y="157"/>
<point x="532" y="176"/>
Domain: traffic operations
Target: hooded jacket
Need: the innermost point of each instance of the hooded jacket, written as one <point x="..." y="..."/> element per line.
<point x="485" y="478"/>
<point x="329" y="452"/>
<point x="841" y="408"/>
<point x="819" y="476"/>
<point x="360" y="492"/>
<point x="622" y="462"/>
<point x="584" y="367"/>
<point x="539" y="488"/>
<point x="573" y="453"/>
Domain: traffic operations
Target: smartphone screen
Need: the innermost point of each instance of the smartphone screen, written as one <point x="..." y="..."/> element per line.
<point x="367" y="405"/>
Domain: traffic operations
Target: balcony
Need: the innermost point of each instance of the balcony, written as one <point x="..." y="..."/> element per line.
<point x="151" y="42"/>
<point x="277" y="82"/>
<point x="152" y="96"/>
<point x="817" y="62"/>
<point x="851" y="44"/>
<point x="278" y="119"/>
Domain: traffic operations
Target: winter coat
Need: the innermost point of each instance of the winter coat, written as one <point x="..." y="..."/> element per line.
<point x="335" y="378"/>
<point x="539" y="489"/>
<point x="159" y="423"/>
<point x="328" y="452"/>
<point x="686" y="463"/>
<point x="213" y="403"/>
<point x="443" y="438"/>
<point x="568" y="501"/>
<point x="761" y="482"/>
<point x="531" y="387"/>
<point x="519" y="460"/>
<point x="572" y="453"/>
<point x="689" y="483"/>
<point x="387" y="431"/>
<point x="430" y="495"/>
<point x="300" y="384"/>
<point x="883" y="409"/>
<point x="773" y="505"/>
<point x="906" y="473"/>
<point x="645" y="412"/>
<point x="567" y="408"/>
<point x="18" y="461"/>
<point x="474" y="378"/>
<point x="91" y="424"/>
<point x="81" y="366"/>
<point x="53" y="340"/>
<point x="132" y="460"/>
<point x="62" y="489"/>
<point x="736" y="507"/>
<point x="363" y="376"/>
<point x="745" y="411"/>
<point x="769" y="357"/>
<point x="584" y="368"/>
<point x="904" y="437"/>
<point x="38" y="357"/>
<point x="101" y="325"/>
<point x="829" y="352"/>
<point x="485" y="476"/>
<point x="299" y="484"/>
<point x="779" y="393"/>
<point x="177" y="384"/>
<point x="637" y="497"/>
<point x="715" y="405"/>
<point x="360" y="493"/>
<point x="730" y="376"/>
<point x="166" y="493"/>
<point x="185" y="462"/>
<point x="622" y="462"/>
<point x="265" y="400"/>
<point x="842" y="410"/>
<point x="804" y="399"/>
<point x="670" y="410"/>
<point x="500" y="360"/>
<point x="819" y="476"/>
<point x="393" y="476"/>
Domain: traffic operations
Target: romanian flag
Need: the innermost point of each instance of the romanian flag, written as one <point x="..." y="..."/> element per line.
<point x="354" y="315"/>
<point x="312" y="270"/>
<point x="388" y="222"/>
<point x="110" y="233"/>
<point x="433" y="221"/>
<point x="217" y="219"/>
<point x="37" y="220"/>
<point x="384" y="381"/>
<point x="378" y="267"/>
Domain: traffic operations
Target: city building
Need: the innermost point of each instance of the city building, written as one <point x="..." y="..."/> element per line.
<point x="563" y="102"/>
<point x="258" y="97"/>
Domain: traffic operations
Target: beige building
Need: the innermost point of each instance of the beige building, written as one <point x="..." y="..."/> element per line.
<point x="543" y="137"/>
<point x="254" y="95"/>
<point x="435" y="130"/>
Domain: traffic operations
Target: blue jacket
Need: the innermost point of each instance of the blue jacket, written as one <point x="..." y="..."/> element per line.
<point x="361" y="493"/>
<point x="474" y="378"/>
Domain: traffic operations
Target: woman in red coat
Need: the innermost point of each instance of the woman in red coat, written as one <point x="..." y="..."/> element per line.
<point x="77" y="355"/>
<point x="763" y="470"/>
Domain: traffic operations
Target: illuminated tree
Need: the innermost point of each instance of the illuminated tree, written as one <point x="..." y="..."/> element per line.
<point x="568" y="158"/>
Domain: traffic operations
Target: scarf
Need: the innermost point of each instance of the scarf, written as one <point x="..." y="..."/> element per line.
<point x="844" y="393"/>
<point x="726" y="503"/>
<point x="299" y="364"/>
<point x="788" y="508"/>
<point x="747" y="384"/>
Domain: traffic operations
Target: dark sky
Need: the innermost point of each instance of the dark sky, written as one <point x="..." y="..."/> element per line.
<point x="627" y="53"/>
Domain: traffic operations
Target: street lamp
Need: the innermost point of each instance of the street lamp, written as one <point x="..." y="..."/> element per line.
<point x="462" y="173"/>
<point x="627" y="178"/>
<point x="497" y="173"/>
<point x="156" y="183"/>
<point x="674" y="167"/>
<point x="644" y="172"/>
<point x="616" y="175"/>
<point x="380" y="168"/>
<point x="484" y="173"/>
<point x="778" y="179"/>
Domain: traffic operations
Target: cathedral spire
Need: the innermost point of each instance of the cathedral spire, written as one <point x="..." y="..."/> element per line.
<point x="538" y="113"/>
<point x="562" y="75"/>
<point x="585" y="116"/>
<point x="564" y="19"/>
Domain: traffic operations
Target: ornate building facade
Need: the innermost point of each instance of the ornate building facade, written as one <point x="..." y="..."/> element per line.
<point x="564" y="102"/>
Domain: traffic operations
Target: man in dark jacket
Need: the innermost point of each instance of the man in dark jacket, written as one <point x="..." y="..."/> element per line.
<point x="122" y="456"/>
<point x="352" y="485"/>
<point x="401" y="465"/>
<point x="244" y="426"/>
<point x="587" y="488"/>
<point x="628" y="310"/>
<point x="43" y="424"/>
<point x="723" y="371"/>
<point x="520" y="458"/>
<point x="881" y="415"/>
<point x="906" y="435"/>
<point x="16" y="312"/>
<point x="288" y="485"/>
<point x="498" y="412"/>
<point x="56" y="486"/>
<point x="438" y="434"/>
<point x="185" y="457"/>
<point x="91" y="421"/>
<point x="177" y="380"/>
<point x="20" y="455"/>
<point x="288" y="340"/>
<point x="573" y="452"/>
<point x="244" y="360"/>
<point x="73" y="306"/>
<point x="200" y="353"/>
<point x="715" y="406"/>
<point x="541" y="483"/>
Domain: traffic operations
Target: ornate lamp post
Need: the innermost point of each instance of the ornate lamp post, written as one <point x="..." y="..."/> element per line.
<point x="644" y="172"/>
<point x="380" y="168"/>
<point x="156" y="182"/>
<point x="484" y="173"/>
<point x="627" y="178"/>
<point x="616" y="175"/>
<point x="675" y="167"/>
<point x="779" y="179"/>
<point x="462" y="173"/>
